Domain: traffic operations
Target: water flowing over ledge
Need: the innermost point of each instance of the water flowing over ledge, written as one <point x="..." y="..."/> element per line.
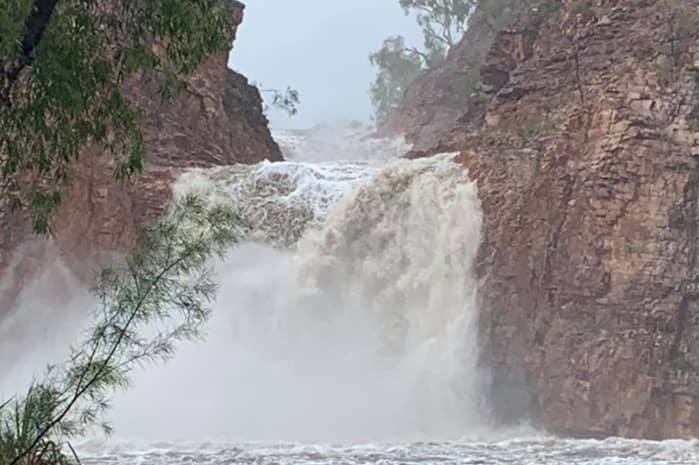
<point x="348" y="315"/>
<point x="277" y="200"/>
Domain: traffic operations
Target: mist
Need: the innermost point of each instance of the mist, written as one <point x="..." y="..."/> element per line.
<point x="49" y="314"/>
<point x="363" y="331"/>
<point x="321" y="48"/>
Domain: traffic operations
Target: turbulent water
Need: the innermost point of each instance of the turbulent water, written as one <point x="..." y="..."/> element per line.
<point x="347" y="314"/>
<point x="345" y="327"/>
<point x="532" y="451"/>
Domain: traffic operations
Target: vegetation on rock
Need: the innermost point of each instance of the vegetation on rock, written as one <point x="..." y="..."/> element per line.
<point x="62" y="63"/>
<point x="442" y="23"/>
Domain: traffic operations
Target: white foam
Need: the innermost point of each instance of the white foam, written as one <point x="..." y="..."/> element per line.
<point x="526" y="451"/>
<point x="364" y="330"/>
<point x="339" y="142"/>
<point x="278" y="200"/>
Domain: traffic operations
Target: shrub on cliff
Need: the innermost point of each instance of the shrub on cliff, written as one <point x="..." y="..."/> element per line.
<point x="61" y="67"/>
<point x="442" y="23"/>
<point x="162" y="290"/>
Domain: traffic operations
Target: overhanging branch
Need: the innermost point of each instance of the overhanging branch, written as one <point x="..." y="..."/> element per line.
<point x="34" y="28"/>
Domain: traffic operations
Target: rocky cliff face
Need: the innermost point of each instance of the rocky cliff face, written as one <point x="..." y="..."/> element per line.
<point x="443" y="98"/>
<point x="585" y="153"/>
<point x="218" y="120"/>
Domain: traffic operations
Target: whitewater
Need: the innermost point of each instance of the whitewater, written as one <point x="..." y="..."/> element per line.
<point x="344" y="331"/>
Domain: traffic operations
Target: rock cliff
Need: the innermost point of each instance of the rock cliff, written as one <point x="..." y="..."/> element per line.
<point x="585" y="149"/>
<point x="217" y="120"/>
<point x="443" y="97"/>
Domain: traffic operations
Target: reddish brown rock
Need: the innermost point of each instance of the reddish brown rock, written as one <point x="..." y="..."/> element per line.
<point x="443" y="98"/>
<point x="585" y="155"/>
<point x="217" y="121"/>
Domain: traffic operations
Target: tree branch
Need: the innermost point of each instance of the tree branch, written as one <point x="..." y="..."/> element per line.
<point x="34" y="28"/>
<point x="419" y="53"/>
<point x="110" y="355"/>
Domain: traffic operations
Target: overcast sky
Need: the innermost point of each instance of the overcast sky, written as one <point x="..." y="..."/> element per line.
<point x="320" y="48"/>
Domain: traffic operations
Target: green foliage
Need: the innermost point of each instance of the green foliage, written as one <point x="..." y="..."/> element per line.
<point x="442" y="23"/>
<point x="61" y="76"/>
<point x="396" y="70"/>
<point x="12" y="19"/>
<point x="162" y="290"/>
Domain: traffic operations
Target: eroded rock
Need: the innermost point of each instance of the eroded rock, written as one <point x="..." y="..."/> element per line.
<point x="585" y="155"/>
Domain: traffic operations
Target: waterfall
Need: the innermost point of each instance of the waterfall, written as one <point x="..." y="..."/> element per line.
<point x="348" y="312"/>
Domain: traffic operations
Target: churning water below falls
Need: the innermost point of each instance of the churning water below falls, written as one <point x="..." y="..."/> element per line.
<point x="345" y="329"/>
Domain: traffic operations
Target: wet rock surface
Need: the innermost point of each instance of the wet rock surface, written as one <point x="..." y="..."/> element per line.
<point x="585" y="154"/>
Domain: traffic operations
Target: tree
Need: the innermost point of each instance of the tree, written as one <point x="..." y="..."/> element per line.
<point x="163" y="289"/>
<point x="397" y="68"/>
<point x="62" y="63"/>
<point x="442" y="23"/>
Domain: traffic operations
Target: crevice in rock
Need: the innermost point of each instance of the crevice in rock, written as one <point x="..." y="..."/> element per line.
<point x="691" y="191"/>
<point x="555" y="239"/>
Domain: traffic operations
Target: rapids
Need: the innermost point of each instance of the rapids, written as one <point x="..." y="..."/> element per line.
<point x="534" y="450"/>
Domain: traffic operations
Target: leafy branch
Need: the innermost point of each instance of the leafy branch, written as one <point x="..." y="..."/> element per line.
<point x="163" y="289"/>
<point x="62" y="67"/>
<point x="443" y="23"/>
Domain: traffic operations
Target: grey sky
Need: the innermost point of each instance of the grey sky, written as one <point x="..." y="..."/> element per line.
<point x="319" y="47"/>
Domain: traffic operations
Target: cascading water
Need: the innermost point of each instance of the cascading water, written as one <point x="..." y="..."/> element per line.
<point x="395" y="258"/>
<point x="348" y="314"/>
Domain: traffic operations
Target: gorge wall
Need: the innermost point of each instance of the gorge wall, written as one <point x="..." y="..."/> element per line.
<point x="217" y="120"/>
<point x="582" y="137"/>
